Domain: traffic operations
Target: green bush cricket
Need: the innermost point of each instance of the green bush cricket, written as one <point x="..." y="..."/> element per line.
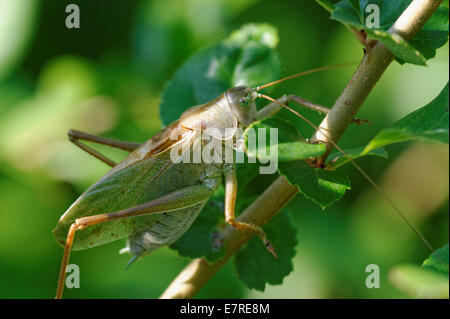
<point x="153" y="199"/>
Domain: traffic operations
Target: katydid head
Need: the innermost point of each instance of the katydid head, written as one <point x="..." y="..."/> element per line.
<point x="242" y="102"/>
<point x="242" y="98"/>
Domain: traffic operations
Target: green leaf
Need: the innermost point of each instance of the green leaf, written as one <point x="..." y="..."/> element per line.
<point x="433" y="35"/>
<point x="354" y="13"/>
<point x="428" y="281"/>
<point x="247" y="57"/>
<point x="345" y="12"/>
<point x="418" y="282"/>
<point x="398" y="46"/>
<point x="355" y="4"/>
<point x="337" y="159"/>
<point x="202" y="239"/>
<point x="438" y="261"/>
<point x="429" y="123"/>
<point x="256" y="266"/>
<point x="278" y="140"/>
<point x="251" y="183"/>
<point x="321" y="186"/>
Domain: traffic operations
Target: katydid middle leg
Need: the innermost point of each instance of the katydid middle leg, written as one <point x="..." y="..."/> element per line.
<point x="230" y="218"/>
<point x="75" y="137"/>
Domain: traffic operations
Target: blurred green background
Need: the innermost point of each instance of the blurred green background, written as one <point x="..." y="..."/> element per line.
<point x="106" y="78"/>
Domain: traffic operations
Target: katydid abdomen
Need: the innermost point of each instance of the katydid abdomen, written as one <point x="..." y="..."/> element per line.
<point x="164" y="230"/>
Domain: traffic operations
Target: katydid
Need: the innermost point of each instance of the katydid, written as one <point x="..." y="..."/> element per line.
<point x="152" y="199"/>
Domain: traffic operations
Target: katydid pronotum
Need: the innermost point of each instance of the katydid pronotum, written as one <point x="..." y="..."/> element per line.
<point x="152" y="199"/>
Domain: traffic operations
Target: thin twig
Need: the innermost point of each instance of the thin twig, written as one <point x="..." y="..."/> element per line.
<point x="198" y="272"/>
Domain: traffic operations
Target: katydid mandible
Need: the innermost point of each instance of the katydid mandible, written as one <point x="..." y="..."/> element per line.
<point x="151" y="199"/>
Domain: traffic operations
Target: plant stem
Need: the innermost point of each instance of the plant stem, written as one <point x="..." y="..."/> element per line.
<point x="376" y="60"/>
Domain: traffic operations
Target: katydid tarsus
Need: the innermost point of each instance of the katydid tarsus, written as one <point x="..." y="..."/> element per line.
<point x="152" y="199"/>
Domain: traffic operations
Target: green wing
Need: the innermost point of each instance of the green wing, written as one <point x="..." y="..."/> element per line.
<point x="121" y="190"/>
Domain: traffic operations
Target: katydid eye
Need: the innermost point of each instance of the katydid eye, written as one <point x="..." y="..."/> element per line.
<point x="243" y="101"/>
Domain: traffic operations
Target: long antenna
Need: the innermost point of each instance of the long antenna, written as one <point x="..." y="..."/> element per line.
<point x="386" y="197"/>
<point x="323" y="68"/>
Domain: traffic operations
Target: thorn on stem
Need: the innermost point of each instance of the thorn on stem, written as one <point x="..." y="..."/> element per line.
<point x="270" y="248"/>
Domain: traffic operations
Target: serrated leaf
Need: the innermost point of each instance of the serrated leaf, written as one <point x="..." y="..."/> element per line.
<point x="256" y="267"/>
<point x="247" y="57"/>
<point x="246" y="171"/>
<point x="346" y="13"/>
<point x="429" y="123"/>
<point x="321" y="186"/>
<point x="398" y="46"/>
<point x="433" y="35"/>
<point x="202" y="239"/>
<point x="278" y="140"/>
<point x="438" y="261"/>
<point x="337" y="159"/>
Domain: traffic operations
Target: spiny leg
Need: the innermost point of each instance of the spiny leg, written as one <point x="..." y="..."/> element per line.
<point x="126" y="146"/>
<point x="273" y="108"/>
<point x="230" y="218"/>
<point x="75" y="137"/>
<point x="182" y="198"/>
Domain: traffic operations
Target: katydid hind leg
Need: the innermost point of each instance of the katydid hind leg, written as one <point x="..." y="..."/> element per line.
<point x="179" y="199"/>
<point x="77" y="136"/>
<point x="230" y="218"/>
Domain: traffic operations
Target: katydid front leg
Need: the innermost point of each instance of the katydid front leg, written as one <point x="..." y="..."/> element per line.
<point x="75" y="137"/>
<point x="230" y="205"/>
<point x="182" y="198"/>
